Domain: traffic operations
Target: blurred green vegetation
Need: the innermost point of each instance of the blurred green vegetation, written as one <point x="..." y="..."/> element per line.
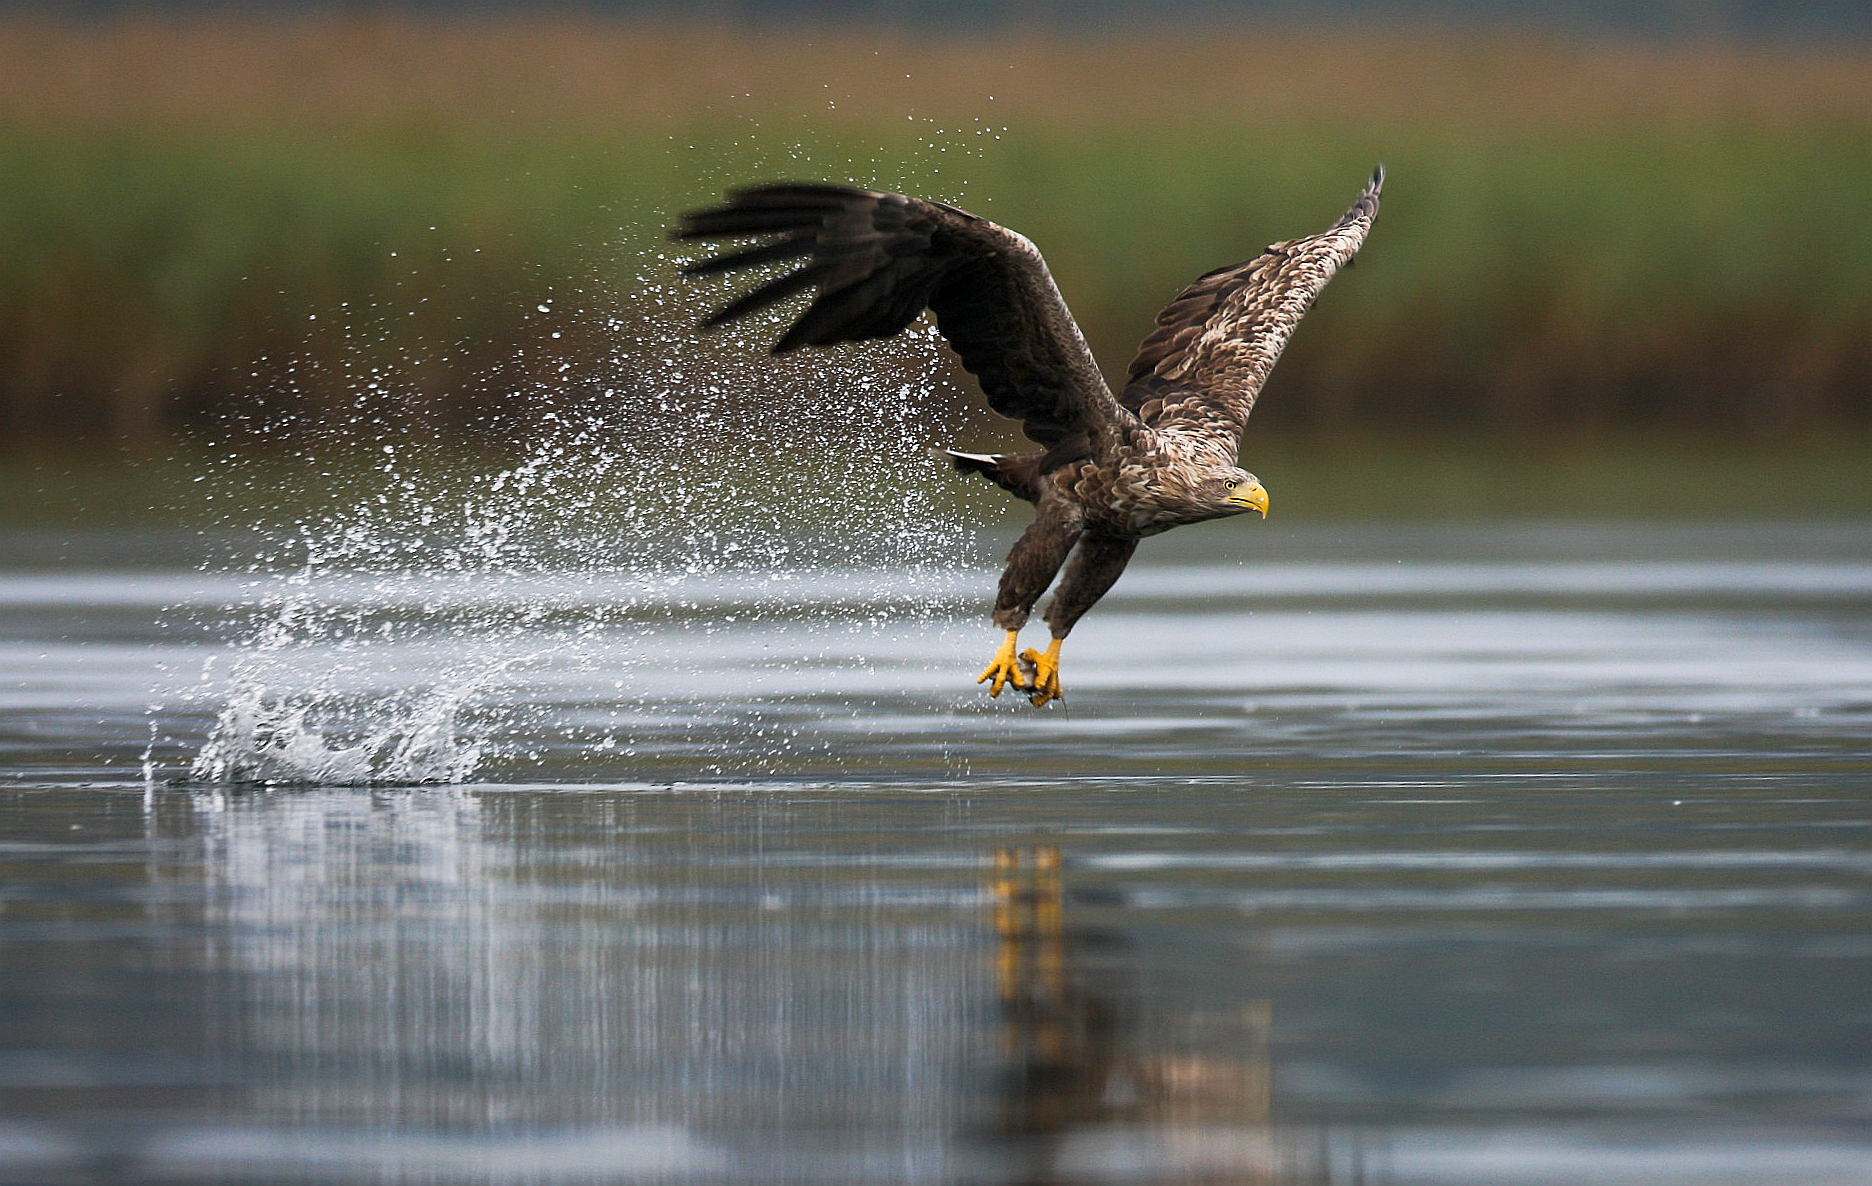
<point x="1579" y="248"/>
<point x="1572" y="285"/>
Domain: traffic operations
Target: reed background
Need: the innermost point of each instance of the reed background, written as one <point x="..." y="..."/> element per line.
<point x="216" y="224"/>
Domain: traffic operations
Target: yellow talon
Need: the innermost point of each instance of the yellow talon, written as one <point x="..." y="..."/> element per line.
<point x="1046" y="681"/>
<point x="1004" y="668"/>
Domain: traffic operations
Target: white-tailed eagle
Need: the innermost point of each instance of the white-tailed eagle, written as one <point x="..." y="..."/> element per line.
<point x="1112" y="469"/>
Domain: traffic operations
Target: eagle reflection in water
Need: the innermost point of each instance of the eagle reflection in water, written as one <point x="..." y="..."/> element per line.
<point x="1081" y="1094"/>
<point x="1113" y="467"/>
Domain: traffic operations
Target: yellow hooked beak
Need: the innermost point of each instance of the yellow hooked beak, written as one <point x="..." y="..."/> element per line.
<point x="1252" y="496"/>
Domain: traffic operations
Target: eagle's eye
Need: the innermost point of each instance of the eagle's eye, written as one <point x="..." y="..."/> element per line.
<point x="1230" y="483"/>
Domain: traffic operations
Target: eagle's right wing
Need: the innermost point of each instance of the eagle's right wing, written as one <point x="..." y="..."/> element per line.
<point x="878" y="260"/>
<point x="1201" y="369"/>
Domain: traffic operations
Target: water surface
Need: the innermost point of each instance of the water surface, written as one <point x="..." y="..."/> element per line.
<point x="1484" y="855"/>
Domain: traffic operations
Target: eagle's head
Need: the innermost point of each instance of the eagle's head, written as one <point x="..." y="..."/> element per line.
<point x="1236" y="490"/>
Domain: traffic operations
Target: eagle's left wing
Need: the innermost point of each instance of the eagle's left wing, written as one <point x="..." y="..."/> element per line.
<point x="875" y="261"/>
<point x="1203" y="366"/>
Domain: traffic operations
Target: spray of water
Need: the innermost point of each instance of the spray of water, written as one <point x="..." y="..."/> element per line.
<point x="678" y="485"/>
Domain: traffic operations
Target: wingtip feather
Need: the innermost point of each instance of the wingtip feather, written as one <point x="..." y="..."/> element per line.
<point x="1366" y="208"/>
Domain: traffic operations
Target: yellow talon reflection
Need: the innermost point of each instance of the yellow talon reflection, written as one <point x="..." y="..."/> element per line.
<point x="1046" y="681"/>
<point x="1004" y="668"/>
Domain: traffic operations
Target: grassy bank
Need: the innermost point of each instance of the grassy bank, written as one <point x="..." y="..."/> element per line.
<point x="206" y="220"/>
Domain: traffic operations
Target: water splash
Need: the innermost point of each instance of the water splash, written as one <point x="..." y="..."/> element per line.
<point x="260" y="739"/>
<point x="676" y="485"/>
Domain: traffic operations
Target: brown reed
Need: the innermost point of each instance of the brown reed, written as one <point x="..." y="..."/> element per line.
<point x="563" y="72"/>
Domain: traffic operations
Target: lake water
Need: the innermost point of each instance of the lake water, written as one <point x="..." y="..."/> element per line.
<point x="1517" y="854"/>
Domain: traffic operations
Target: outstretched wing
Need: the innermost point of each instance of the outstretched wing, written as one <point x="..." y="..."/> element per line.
<point x="878" y="260"/>
<point x="1203" y="366"/>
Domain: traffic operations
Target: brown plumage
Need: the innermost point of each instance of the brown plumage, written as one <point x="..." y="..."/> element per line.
<point x="1114" y="468"/>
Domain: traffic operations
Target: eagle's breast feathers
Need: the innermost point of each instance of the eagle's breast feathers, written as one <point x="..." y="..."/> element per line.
<point x="1157" y="482"/>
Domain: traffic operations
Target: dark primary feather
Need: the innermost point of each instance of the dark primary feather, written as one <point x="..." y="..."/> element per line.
<point x="752" y="257"/>
<point x="878" y="260"/>
<point x="1215" y="344"/>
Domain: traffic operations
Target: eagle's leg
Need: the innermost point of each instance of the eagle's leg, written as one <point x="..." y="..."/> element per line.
<point x="1094" y="569"/>
<point x="1036" y="556"/>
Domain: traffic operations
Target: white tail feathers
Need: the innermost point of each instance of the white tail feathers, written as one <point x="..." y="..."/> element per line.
<point x="979" y="458"/>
